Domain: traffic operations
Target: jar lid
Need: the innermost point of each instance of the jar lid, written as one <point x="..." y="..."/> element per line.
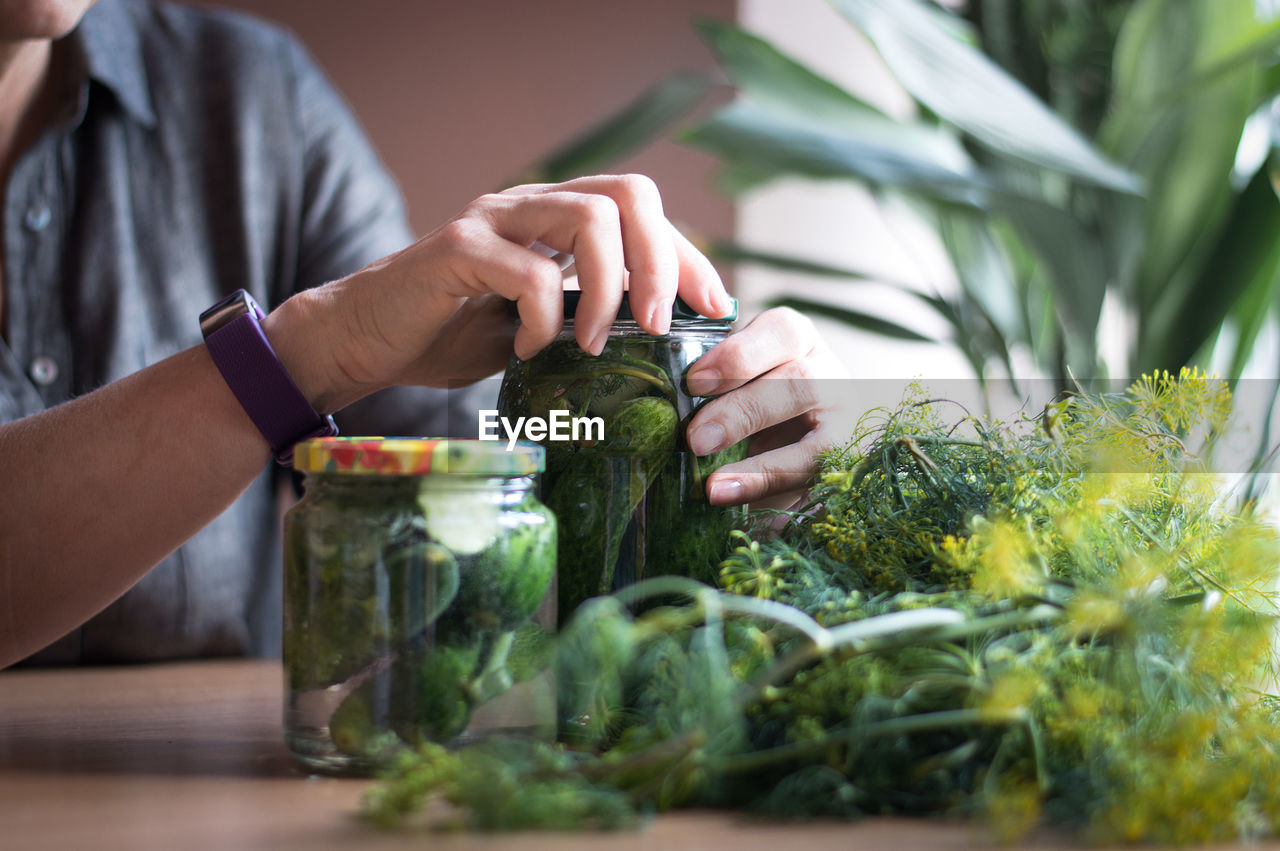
<point x="416" y="456"/>
<point x="680" y="309"/>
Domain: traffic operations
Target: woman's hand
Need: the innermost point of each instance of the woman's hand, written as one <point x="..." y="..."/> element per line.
<point x="435" y="314"/>
<point x="781" y="387"/>
<point x="425" y="316"/>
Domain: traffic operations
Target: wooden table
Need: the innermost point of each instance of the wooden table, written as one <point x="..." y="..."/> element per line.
<point x="190" y="755"/>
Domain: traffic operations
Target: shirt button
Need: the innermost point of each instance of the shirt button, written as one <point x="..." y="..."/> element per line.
<point x="38" y="216"/>
<point x="44" y="371"/>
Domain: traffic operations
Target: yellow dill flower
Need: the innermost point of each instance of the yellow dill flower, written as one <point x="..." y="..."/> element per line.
<point x="1181" y="403"/>
<point x="1011" y="692"/>
<point x="1013" y="811"/>
<point x="1092" y="612"/>
<point x="1004" y="558"/>
<point x="838" y="479"/>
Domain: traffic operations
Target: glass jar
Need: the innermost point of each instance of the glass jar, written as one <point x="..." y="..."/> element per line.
<point x="418" y="598"/>
<point x="630" y="495"/>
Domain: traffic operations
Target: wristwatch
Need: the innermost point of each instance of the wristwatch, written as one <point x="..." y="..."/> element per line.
<point x="242" y="353"/>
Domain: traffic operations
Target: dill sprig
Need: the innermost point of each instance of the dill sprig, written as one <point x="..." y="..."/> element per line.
<point x="1055" y="621"/>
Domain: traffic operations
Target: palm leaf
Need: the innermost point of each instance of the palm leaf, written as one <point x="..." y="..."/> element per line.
<point x="1184" y="151"/>
<point x="748" y="136"/>
<point x="957" y="82"/>
<point x="1241" y="270"/>
<point x="636" y="125"/>
<point x="853" y="318"/>
<point x="776" y="81"/>
<point x="733" y="252"/>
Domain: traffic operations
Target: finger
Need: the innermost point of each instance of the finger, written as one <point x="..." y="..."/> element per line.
<point x="648" y="245"/>
<point x="584" y="225"/>
<point x="598" y="256"/>
<point x="564" y="261"/>
<point x="648" y="242"/>
<point x="474" y="343"/>
<point x="485" y="262"/>
<point x="768" y="341"/>
<point x="776" y="397"/>
<point x="783" y="434"/>
<point x="787" y="501"/>
<point x="785" y="471"/>
<point x="699" y="283"/>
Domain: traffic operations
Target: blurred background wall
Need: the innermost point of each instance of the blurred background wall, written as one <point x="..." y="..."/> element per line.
<point x="460" y="95"/>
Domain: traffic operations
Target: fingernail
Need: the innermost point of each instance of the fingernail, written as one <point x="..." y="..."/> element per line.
<point x="703" y="382"/>
<point x="724" y="302"/>
<point x="597" y="345"/>
<point x="706" y="438"/>
<point x="725" y="492"/>
<point x="660" y="319"/>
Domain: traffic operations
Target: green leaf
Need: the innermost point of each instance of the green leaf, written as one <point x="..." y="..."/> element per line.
<point x="778" y="82"/>
<point x="987" y="281"/>
<point x="1184" y="148"/>
<point x="920" y="159"/>
<point x="733" y="252"/>
<point x="854" y="318"/>
<point x="735" y="178"/>
<point x="1074" y="270"/>
<point x="970" y="343"/>
<point x="1250" y="313"/>
<point x="982" y="269"/>
<point x="1246" y="46"/>
<point x="625" y="132"/>
<point x="975" y="349"/>
<point x="800" y="122"/>
<point x="1239" y="279"/>
<point x="955" y="81"/>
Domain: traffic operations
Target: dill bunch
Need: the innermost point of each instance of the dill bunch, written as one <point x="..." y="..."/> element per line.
<point x="1057" y="621"/>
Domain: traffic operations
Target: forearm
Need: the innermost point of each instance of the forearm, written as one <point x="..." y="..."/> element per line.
<point x="100" y="489"/>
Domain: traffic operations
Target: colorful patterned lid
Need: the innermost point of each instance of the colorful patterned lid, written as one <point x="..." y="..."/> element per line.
<point x="416" y="456"/>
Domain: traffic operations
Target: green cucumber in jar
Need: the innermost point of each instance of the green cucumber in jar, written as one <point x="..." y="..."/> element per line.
<point x="595" y="497"/>
<point x="502" y="586"/>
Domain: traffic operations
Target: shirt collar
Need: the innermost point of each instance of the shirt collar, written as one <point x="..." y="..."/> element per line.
<point x="109" y="48"/>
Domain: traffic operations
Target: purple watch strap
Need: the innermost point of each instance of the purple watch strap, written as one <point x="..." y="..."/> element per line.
<point x="264" y="389"/>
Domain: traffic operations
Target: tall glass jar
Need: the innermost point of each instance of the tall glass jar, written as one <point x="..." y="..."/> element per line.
<point x="418" y="598"/>
<point x="630" y="496"/>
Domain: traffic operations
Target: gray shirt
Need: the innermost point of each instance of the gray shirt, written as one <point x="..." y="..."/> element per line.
<point x="196" y="153"/>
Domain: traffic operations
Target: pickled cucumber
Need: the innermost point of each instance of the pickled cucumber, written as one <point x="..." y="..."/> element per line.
<point x="633" y="504"/>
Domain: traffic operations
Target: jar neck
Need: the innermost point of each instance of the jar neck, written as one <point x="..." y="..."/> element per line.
<point x="679" y="328"/>
<point x="509" y="488"/>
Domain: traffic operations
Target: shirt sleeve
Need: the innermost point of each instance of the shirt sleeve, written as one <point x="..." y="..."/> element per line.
<point x="352" y="211"/>
<point x="352" y="214"/>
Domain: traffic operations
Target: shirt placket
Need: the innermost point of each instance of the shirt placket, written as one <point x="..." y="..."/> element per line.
<point x="39" y="346"/>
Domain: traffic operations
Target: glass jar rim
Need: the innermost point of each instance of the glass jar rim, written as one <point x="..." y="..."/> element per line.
<point x="680" y="310"/>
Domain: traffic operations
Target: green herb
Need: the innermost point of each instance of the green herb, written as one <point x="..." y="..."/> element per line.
<point x="1054" y="622"/>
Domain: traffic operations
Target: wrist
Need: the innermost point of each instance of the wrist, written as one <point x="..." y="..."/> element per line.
<point x="241" y="351"/>
<point x="303" y="331"/>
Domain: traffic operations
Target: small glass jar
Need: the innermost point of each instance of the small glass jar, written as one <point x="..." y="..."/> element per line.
<point x="630" y="495"/>
<point x="419" y="599"/>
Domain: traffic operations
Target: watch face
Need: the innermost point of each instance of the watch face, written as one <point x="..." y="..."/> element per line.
<point x="237" y="304"/>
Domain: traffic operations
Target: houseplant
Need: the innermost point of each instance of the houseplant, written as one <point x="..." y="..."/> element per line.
<point x="1067" y="154"/>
